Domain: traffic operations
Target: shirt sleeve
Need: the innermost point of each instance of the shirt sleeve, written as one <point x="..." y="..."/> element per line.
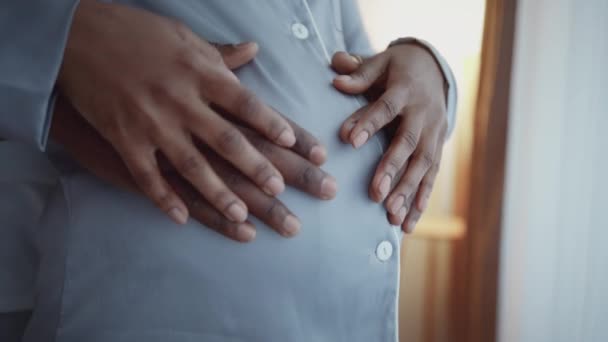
<point x="33" y="34"/>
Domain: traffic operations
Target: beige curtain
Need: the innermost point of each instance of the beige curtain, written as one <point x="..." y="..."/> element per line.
<point x="554" y="259"/>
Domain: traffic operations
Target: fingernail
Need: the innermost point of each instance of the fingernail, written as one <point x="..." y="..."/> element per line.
<point x="237" y="212"/>
<point x="274" y="186"/>
<point x="243" y="44"/>
<point x="318" y="154"/>
<point x="286" y="138"/>
<point x="291" y="225"/>
<point x="245" y="232"/>
<point x="401" y="215"/>
<point x="385" y="186"/>
<point x="396" y="205"/>
<point x="360" y="139"/>
<point x="344" y="78"/>
<point x="329" y="188"/>
<point x="355" y="59"/>
<point x="178" y="215"/>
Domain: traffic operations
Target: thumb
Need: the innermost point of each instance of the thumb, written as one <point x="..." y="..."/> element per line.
<point x="365" y="75"/>
<point x="345" y="63"/>
<point x="237" y="55"/>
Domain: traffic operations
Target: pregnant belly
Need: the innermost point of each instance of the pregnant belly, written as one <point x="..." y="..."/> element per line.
<point x="128" y="273"/>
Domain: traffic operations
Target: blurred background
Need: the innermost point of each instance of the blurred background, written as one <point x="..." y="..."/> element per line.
<point x="512" y="246"/>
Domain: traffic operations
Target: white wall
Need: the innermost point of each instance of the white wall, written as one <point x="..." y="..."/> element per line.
<point x="554" y="257"/>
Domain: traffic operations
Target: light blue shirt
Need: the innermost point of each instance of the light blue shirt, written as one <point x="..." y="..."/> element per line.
<point x="112" y="267"/>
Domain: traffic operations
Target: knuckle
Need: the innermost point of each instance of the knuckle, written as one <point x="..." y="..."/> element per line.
<point x="232" y="178"/>
<point x="230" y="141"/>
<point x="304" y="142"/>
<point x="276" y="211"/>
<point x="434" y="169"/>
<point x="164" y="200"/>
<point x="307" y="176"/>
<point x="426" y="158"/>
<point x="408" y="139"/>
<point x="392" y="165"/>
<point x="179" y="103"/>
<point x="408" y="187"/>
<point x="263" y="171"/>
<point x="189" y="165"/>
<point x="182" y="30"/>
<point x="190" y="60"/>
<point x="364" y="75"/>
<point x="161" y="90"/>
<point x="390" y="108"/>
<point x="276" y="127"/>
<point x="158" y="132"/>
<point x="146" y="179"/>
<point x="377" y="122"/>
<point x="427" y="186"/>
<point x="247" y="104"/>
<point x="135" y="107"/>
<point x="263" y="146"/>
<point x="222" y="198"/>
<point x="214" y="55"/>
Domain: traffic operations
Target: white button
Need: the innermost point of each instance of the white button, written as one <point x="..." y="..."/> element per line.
<point x="299" y="30"/>
<point x="384" y="250"/>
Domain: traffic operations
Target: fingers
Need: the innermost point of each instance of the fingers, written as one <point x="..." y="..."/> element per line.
<point x="421" y="200"/>
<point x="307" y="145"/>
<point x="248" y="108"/>
<point x="228" y="141"/>
<point x="207" y="214"/>
<point x="370" y="71"/>
<point x="402" y="146"/>
<point x="397" y="219"/>
<point x="421" y="161"/>
<point x="298" y="172"/>
<point x="235" y="56"/>
<point x="194" y="167"/>
<point x="409" y="223"/>
<point x="345" y="63"/>
<point x="427" y="183"/>
<point x="379" y="114"/>
<point x="143" y="167"/>
<point x="268" y="209"/>
<point x="350" y="123"/>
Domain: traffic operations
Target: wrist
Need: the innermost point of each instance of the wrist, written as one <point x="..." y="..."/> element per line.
<point x="424" y="50"/>
<point x="88" y="19"/>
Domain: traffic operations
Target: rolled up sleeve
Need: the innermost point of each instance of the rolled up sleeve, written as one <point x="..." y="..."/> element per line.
<point x="33" y="35"/>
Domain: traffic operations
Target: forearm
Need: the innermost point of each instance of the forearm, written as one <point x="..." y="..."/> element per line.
<point x="94" y="153"/>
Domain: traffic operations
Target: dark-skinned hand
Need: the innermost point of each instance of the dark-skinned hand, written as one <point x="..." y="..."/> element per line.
<point x="98" y="156"/>
<point x="405" y="87"/>
<point x="146" y="83"/>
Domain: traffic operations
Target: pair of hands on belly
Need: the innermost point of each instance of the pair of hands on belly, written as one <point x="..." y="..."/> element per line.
<point x="178" y="126"/>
